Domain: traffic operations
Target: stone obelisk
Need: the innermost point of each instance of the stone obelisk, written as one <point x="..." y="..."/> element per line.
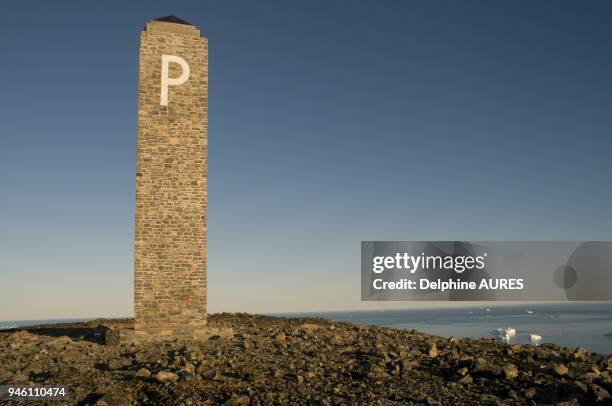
<point x="171" y="182"/>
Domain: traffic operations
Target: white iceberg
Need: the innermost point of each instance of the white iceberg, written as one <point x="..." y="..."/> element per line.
<point x="509" y="331"/>
<point x="506" y="334"/>
<point x="535" y="339"/>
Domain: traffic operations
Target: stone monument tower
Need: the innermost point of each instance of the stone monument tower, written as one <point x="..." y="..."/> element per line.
<point x="171" y="182"/>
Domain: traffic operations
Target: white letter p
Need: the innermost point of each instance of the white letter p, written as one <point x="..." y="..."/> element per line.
<point x="166" y="81"/>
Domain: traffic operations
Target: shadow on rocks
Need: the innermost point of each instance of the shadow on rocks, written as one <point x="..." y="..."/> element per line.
<point x="94" y="334"/>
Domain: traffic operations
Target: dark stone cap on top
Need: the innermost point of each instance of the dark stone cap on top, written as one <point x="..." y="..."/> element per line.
<point x="172" y="24"/>
<point x="172" y="19"/>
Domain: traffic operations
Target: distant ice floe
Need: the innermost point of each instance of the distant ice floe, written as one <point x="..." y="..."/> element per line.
<point x="506" y="334"/>
<point x="535" y="339"/>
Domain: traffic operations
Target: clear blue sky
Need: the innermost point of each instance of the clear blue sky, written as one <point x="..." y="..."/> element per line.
<point x="330" y="123"/>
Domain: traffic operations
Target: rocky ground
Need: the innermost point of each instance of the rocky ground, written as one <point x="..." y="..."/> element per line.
<point x="271" y="360"/>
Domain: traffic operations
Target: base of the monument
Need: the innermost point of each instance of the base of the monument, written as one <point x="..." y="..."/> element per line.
<point x="130" y="336"/>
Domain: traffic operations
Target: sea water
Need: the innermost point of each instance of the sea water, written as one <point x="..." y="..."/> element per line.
<point x="567" y="324"/>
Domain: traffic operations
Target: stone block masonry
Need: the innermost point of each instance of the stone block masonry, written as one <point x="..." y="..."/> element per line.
<point x="171" y="183"/>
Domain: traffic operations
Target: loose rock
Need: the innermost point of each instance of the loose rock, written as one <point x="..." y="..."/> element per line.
<point x="269" y="360"/>
<point x="166" y="376"/>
